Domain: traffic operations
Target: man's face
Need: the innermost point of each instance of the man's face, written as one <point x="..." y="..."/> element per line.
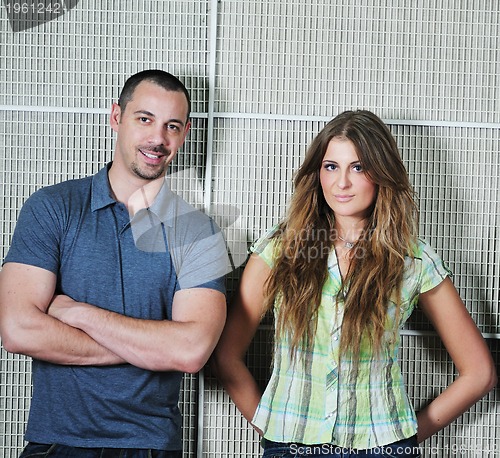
<point x="150" y="130"/>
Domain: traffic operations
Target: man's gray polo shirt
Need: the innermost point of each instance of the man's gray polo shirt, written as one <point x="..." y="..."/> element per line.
<point x="79" y="232"/>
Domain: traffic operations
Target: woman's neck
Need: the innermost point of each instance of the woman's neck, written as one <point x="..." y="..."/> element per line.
<point x="349" y="229"/>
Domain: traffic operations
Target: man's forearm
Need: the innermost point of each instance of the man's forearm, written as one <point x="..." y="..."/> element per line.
<point x="149" y="344"/>
<point x="48" y="339"/>
<point x="182" y="344"/>
<point x="139" y="341"/>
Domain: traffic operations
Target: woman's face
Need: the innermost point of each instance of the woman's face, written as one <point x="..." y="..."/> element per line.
<point x="347" y="189"/>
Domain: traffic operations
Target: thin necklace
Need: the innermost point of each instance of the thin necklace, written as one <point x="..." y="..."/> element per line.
<point x="347" y="244"/>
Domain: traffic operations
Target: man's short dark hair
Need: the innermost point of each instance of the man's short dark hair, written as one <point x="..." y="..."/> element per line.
<point x="159" y="77"/>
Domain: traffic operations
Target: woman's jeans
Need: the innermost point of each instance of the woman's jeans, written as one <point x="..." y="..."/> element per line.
<point x="407" y="448"/>
<point x="33" y="450"/>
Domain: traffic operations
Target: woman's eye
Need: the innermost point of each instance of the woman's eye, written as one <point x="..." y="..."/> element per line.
<point x="330" y="167"/>
<point x="358" y="168"/>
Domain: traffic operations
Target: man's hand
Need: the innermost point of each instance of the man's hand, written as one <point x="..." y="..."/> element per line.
<point x="61" y="307"/>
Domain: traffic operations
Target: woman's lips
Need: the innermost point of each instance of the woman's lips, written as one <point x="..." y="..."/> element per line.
<point x="343" y="197"/>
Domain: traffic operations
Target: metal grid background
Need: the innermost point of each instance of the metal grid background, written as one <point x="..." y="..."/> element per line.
<point x="264" y="77"/>
<point x="433" y="60"/>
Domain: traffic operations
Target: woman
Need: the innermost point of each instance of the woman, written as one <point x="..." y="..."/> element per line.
<point x="342" y="274"/>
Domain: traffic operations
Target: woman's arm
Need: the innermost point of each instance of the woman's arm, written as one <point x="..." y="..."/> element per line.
<point x="469" y="352"/>
<point x="244" y="316"/>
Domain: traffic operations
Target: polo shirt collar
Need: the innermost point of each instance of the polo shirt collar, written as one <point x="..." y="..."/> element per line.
<point x="165" y="205"/>
<point x="101" y="195"/>
<point x="147" y="222"/>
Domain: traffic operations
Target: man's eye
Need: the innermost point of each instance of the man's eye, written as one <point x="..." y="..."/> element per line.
<point x="173" y="127"/>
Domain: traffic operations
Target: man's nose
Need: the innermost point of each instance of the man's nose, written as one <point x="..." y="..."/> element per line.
<point x="158" y="136"/>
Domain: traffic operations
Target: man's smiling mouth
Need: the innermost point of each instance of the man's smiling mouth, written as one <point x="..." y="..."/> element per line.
<point x="151" y="155"/>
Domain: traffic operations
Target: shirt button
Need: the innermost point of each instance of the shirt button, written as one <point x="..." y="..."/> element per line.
<point x="336" y="337"/>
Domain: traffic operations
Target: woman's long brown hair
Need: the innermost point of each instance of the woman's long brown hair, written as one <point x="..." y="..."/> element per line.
<point x="307" y="235"/>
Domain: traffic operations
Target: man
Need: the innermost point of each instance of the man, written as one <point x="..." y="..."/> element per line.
<point x="114" y="286"/>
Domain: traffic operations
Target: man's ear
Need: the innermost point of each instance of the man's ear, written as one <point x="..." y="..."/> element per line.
<point x="115" y="117"/>
<point x="186" y="129"/>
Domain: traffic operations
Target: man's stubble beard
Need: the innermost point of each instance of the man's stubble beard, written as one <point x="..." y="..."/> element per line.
<point x="155" y="173"/>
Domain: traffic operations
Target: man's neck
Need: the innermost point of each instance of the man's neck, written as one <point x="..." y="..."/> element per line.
<point x="144" y="196"/>
<point x="134" y="192"/>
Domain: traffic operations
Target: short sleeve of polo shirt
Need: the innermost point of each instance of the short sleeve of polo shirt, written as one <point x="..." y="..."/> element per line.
<point x="36" y="238"/>
<point x="204" y="260"/>
<point x="433" y="269"/>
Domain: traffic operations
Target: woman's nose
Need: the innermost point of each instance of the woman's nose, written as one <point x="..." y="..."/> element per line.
<point x="343" y="181"/>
